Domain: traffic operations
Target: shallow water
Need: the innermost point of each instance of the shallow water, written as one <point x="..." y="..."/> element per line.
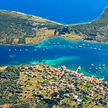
<point x="63" y="11"/>
<point x="92" y="57"/>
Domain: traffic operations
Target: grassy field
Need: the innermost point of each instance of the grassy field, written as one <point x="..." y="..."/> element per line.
<point x="73" y="36"/>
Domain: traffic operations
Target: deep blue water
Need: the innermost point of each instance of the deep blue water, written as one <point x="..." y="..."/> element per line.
<point x="63" y="11"/>
<point x="92" y="57"/>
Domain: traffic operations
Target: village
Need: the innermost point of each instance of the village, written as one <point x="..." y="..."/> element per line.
<point x="48" y="82"/>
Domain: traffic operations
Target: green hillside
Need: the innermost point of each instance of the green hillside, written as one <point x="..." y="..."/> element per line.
<point x="19" y="28"/>
<point x="15" y="27"/>
<point x="97" y="29"/>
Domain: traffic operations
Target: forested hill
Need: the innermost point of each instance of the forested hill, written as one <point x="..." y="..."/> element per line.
<point x="97" y="29"/>
<point x="18" y="28"/>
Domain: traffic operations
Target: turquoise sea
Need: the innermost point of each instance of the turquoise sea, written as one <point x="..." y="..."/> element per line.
<point x="92" y="57"/>
<point x="63" y="11"/>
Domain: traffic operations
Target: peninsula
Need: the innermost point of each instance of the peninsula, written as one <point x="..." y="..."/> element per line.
<point x="18" y="28"/>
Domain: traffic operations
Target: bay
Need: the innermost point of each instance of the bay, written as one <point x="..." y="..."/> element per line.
<point x="92" y="57"/>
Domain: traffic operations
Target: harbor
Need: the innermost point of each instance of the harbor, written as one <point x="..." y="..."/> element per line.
<point x="92" y="57"/>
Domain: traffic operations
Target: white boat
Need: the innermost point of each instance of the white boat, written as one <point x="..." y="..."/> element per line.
<point x="96" y="68"/>
<point x="94" y="48"/>
<point x="92" y="64"/>
<point x="9" y="50"/>
<point x="80" y="46"/>
<point x="104" y="65"/>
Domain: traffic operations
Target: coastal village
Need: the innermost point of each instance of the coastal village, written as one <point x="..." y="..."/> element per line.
<point x="69" y="88"/>
<point x="28" y="78"/>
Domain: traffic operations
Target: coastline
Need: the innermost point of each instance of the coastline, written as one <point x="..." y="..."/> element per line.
<point x="88" y="41"/>
<point x="42" y="40"/>
<point x="88" y="22"/>
<point x="34" y="43"/>
<point x="39" y="41"/>
<point x="21" y="13"/>
<point x="89" y="76"/>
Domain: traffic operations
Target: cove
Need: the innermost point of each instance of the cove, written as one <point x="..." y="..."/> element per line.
<point x="92" y="57"/>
